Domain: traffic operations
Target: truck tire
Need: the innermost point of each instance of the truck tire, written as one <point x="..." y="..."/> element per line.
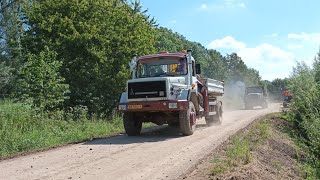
<point x="132" y="126"/>
<point x="215" y="119"/>
<point x="187" y="125"/>
<point x="209" y="120"/>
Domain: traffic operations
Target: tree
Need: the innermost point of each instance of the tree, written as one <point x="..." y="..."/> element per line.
<point x="214" y="66"/>
<point x="5" y="79"/>
<point x="95" y="39"/>
<point x="316" y="66"/>
<point x="40" y="81"/>
<point x="11" y="31"/>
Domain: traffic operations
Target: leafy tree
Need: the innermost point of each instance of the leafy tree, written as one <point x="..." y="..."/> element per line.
<point x="167" y="40"/>
<point x="305" y="105"/>
<point x="95" y="39"/>
<point x="11" y="31"/>
<point x="40" y="81"/>
<point x="316" y="66"/>
<point x="230" y="68"/>
<point x="5" y="79"/>
<point x="214" y="66"/>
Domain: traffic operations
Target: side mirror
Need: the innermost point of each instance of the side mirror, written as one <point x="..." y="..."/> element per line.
<point x="198" y="69"/>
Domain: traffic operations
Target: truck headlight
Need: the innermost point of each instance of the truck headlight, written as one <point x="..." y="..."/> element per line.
<point x="175" y="91"/>
<point x="122" y="107"/>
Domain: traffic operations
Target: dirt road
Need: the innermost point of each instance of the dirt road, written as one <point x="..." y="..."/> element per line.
<point x="157" y="154"/>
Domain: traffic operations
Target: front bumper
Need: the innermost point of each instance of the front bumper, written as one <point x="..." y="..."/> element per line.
<point x="153" y="106"/>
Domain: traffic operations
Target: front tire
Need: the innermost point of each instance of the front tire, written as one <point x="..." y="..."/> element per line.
<point x="132" y="126"/>
<point x="187" y="121"/>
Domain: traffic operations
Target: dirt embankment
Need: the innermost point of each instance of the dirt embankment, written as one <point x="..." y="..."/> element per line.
<point x="275" y="157"/>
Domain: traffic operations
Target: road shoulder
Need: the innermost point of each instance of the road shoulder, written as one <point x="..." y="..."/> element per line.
<point x="262" y="150"/>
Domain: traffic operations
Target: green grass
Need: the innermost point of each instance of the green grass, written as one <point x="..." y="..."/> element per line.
<point x="310" y="164"/>
<point x="22" y="129"/>
<point x="238" y="151"/>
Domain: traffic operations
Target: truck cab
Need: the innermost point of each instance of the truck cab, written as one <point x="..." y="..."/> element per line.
<point x="255" y="96"/>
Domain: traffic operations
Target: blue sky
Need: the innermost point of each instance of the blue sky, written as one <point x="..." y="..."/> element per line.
<point x="269" y="35"/>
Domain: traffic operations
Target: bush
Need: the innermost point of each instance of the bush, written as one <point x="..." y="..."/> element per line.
<point x="5" y="79"/>
<point x="40" y="82"/>
<point x="304" y="84"/>
<point x="22" y="129"/>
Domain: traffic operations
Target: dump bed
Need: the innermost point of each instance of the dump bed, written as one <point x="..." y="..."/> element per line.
<point x="215" y="87"/>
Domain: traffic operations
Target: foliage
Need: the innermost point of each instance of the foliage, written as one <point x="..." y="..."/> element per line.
<point x="305" y="106"/>
<point x="238" y="151"/>
<point x="22" y="129"/>
<point x="5" y="79"/>
<point x="40" y="82"/>
<point x="11" y="31"/>
<point x="95" y="39"/>
<point x="276" y="87"/>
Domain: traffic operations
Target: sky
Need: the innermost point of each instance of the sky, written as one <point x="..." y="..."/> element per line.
<point x="270" y="36"/>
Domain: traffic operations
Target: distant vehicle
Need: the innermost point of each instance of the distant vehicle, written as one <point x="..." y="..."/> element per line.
<point x="166" y="88"/>
<point x="255" y="96"/>
<point x="287" y="98"/>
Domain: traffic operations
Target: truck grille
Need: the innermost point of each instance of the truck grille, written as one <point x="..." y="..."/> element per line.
<point x="147" y="89"/>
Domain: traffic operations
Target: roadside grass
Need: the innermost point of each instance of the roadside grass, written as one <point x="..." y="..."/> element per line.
<point x="244" y="150"/>
<point x="310" y="164"/>
<point x="22" y="129"/>
<point x="238" y="151"/>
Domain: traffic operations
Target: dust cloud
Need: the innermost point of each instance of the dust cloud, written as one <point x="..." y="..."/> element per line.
<point x="233" y="98"/>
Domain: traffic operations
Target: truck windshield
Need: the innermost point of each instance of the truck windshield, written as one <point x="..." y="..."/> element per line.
<point x="254" y="90"/>
<point x="162" y="67"/>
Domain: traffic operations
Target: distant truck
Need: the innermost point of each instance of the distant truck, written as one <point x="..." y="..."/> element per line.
<point x="166" y="88"/>
<point x="255" y="96"/>
<point x="287" y="98"/>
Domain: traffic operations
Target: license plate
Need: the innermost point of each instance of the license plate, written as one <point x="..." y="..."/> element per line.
<point x="135" y="106"/>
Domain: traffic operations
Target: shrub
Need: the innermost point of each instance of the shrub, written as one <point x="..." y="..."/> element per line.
<point x="304" y="84"/>
<point x="40" y="82"/>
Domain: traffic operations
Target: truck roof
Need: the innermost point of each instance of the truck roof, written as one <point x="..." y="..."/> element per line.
<point x="162" y="55"/>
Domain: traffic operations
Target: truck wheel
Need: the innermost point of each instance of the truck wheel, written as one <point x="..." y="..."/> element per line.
<point x="187" y="120"/>
<point x="209" y="120"/>
<point x="131" y="125"/>
<point x="215" y="119"/>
